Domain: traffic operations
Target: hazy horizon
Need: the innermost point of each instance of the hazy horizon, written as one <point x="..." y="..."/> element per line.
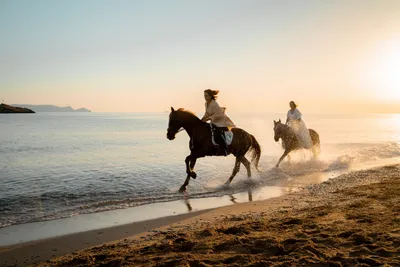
<point x="360" y="111"/>
<point x="145" y="56"/>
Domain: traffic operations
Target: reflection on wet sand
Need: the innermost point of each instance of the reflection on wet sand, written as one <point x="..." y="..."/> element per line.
<point x="249" y="194"/>
<point x="273" y="183"/>
<point x="189" y="207"/>
<point x="283" y="182"/>
<point x="233" y="198"/>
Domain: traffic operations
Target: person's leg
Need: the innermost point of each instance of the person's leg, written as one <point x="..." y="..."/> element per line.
<point x="221" y="141"/>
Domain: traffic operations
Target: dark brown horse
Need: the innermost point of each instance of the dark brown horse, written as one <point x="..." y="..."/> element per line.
<point x="201" y="145"/>
<point x="290" y="141"/>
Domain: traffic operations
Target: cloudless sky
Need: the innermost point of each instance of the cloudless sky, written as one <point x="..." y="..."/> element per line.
<point x="144" y="56"/>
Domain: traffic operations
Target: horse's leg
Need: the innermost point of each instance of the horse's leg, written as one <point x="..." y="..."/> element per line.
<point x="183" y="187"/>
<point x="188" y="161"/>
<point x="235" y="171"/>
<point x="246" y="163"/>
<point x="282" y="157"/>
<point x="192" y="163"/>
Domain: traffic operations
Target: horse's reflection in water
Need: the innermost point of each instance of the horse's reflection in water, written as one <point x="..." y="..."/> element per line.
<point x="189" y="207"/>
<point x="232" y="198"/>
<point x="250" y="194"/>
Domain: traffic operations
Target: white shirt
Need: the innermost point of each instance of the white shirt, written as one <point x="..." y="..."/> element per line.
<point x="296" y="115"/>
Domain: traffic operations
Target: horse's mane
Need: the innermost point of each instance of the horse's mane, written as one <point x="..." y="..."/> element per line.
<point x="188" y="113"/>
<point x="284" y="126"/>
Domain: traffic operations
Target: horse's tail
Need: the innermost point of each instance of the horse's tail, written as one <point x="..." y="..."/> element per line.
<point x="256" y="152"/>
<point x="316" y="142"/>
<point x="314" y="137"/>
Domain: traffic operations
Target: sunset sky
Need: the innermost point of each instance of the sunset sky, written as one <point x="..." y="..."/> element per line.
<point x="145" y="56"/>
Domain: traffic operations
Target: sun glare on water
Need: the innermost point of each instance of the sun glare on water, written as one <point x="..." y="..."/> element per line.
<point x="383" y="74"/>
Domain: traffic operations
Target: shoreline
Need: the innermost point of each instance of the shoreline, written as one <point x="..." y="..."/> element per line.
<point x="243" y="191"/>
<point x="139" y="234"/>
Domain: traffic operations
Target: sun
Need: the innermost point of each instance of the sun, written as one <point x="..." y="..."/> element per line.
<point x="383" y="74"/>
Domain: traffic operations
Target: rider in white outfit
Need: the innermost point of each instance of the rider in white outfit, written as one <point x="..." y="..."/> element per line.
<point x="295" y="122"/>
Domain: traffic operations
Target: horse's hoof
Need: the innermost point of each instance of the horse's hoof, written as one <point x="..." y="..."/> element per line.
<point x="193" y="175"/>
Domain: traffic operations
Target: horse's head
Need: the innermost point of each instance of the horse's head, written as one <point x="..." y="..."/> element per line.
<point x="181" y="118"/>
<point x="174" y="124"/>
<point x="277" y="130"/>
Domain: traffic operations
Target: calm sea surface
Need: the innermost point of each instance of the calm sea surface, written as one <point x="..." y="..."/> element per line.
<point x="55" y="165"/>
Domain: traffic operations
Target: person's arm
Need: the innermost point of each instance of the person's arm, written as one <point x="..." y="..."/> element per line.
<point x="287" y="117"/>
<point x="297" y="115"/>
<point x="206" y="117"/>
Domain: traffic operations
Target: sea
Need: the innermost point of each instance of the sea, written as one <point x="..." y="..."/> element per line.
<point x="61" y="165"/>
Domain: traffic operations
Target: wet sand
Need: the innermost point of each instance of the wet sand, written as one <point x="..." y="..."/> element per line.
<point x="352" y="220"/>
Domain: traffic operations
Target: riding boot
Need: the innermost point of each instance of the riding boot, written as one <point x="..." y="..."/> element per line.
<point x="224" y="150"/>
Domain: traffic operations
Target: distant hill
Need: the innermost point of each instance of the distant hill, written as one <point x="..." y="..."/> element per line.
<point x="82" y="110"/>
<point x="12" y="109"/>
<point x="51" y="108"/>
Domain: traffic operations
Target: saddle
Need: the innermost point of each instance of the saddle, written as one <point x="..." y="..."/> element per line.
<point x="226" y="135"/>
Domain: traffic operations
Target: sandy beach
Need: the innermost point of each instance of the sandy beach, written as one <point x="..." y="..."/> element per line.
<point x="351" y="220"/>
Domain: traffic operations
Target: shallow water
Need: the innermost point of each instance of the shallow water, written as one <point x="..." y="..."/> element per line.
<point x="57" y="165"/>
